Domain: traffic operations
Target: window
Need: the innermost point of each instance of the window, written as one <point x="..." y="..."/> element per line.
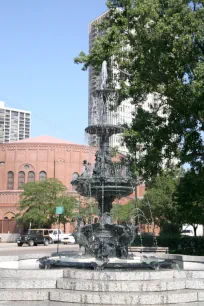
<point x="42" y="176"/>
<point x="10" y="184"/>
<point x="21" y="179"/>
<point x="31" y="176"/>
<point x="9" y="215"/>
<point x="40" y="233"/>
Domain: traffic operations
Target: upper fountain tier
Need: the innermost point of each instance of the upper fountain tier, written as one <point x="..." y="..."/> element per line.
<point x="103" y="99"/>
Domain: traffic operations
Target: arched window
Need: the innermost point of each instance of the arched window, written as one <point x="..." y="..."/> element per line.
<point x="31" y="176"/>
<point x="10" y="184"/>
<point x="9" y="215"/>
<point x="42" y="176"/>
<point x="21" y="179"/>
<point x="75" y="176"/>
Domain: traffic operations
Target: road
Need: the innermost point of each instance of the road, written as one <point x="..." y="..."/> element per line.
<point x="11" y="249"/>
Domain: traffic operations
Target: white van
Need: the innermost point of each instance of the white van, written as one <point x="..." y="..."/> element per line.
<point x="58" y="235"/>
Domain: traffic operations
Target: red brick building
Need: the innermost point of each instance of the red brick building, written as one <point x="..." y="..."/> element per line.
<point x="34" y="159"/>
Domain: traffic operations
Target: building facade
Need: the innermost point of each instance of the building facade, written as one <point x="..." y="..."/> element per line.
<point x="35" y="159"/>
<point x="15" y="124"/>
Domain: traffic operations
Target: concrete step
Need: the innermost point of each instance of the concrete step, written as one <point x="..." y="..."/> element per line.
<point x="49" y="303"/>
<point x="127" y="286"/>
<point x="47" y="274"/>
<point x="132" y="275"/>
<point x="31" y="303"/>
<point x="197" y="284"/>
<point x="127" y="298"/>
<point x="19" y="283"/>
<point x="118" y="275"/>
<point x="24" y="295"/>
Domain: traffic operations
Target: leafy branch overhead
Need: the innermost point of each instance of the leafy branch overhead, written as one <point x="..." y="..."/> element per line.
<point x="157" y="48"/>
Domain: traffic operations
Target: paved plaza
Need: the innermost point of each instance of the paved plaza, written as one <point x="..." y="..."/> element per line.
<point x="11" y="249"/>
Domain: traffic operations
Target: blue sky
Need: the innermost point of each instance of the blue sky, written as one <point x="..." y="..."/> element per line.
<point x="38" y="41"/>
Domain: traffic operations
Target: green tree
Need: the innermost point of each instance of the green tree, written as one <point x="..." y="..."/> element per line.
<point x="70" y="208"/>
<point x="123" y="212"/>
<point x="159" y="203"/>
<point x="157" y="46"/>
<point x="39" y="200"/>
<point x="89" y="211"/>
<point x="190" y="198"/>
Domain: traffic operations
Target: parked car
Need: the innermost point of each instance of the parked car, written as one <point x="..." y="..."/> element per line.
<point x="187" y="232"/>
<point x="68" y="238"/>
<point x="34" y="237"/>
<point x="58" y="235"/>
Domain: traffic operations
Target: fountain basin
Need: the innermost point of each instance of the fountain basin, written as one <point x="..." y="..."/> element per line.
<point x="31" y="261"/>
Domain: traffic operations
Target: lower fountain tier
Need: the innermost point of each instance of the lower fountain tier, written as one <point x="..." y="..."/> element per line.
<point x="105" y="239"/>
<point x="105" y="130"/>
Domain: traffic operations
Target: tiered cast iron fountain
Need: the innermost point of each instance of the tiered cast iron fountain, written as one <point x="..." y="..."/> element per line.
<point x="105" y="243"/>
<point x="108" y="181"/>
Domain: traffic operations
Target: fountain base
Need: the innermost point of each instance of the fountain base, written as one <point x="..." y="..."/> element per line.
<point x="82" y="261"/>
<point x="105" y="240"/>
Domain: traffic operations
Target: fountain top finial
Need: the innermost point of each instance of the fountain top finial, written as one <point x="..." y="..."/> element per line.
<point x="104" y="75"/>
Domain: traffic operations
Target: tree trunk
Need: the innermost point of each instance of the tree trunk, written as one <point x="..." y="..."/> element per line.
<point x="195" y="229"/>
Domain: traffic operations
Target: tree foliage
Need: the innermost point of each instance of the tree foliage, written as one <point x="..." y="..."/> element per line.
<point x="159" y="203"/>
<point x="190" y="198"/>
<point x="89" y="211"/>
<point x="124" y="213"/>
<point x="157" y="47"/>
<point x="39" y="200"/>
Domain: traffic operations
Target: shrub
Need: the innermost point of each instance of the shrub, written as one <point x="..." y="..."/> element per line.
<point x="170" y="229"/>
<point x="177" y="244"/>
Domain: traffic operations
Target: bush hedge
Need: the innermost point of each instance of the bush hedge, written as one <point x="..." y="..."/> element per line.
<point x="186" y="245"/>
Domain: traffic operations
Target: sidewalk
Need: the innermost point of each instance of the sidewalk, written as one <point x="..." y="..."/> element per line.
<point x="11" y="249"/>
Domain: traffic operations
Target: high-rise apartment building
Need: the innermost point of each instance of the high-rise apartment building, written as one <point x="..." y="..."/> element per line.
<point x="14" y="124"/>
<point x="122" y="114"/>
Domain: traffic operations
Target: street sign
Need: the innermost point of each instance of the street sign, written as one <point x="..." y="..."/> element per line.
<point x="59" y="210"/>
